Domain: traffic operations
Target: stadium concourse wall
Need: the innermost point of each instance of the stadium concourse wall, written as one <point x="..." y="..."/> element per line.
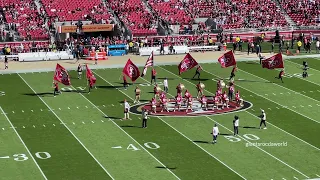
<point x="119" y="62"/>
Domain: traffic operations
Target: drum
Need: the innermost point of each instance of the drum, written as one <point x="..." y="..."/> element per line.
<point x="182" y="86"/>
<point x="202" y="86"/>
<point x="227" y="86"/>
<point x="222" y="84"/>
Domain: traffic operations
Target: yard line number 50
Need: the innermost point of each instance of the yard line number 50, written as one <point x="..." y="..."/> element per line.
<point x="251" y="137"/>
<point x="24" y="157"/>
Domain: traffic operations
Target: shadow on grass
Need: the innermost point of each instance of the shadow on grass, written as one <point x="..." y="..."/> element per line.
<point x="167" y="78"/>
<point x="204" y="142"/>
<point x="224" y="134"/>
<point x="195" y="79"/>
<point x="250" y="127"/>
<point x="109" y="87"/>
<point x="130" y="126"/>
<point x="39" y="94"/>
<point x="111" y="117"/>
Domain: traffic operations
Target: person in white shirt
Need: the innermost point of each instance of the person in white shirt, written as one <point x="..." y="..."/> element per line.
<point x="165" y="84"/>
<point x="236" y="125"/>
<point x="317" y="46"/>
<point x="215" y="133"/>
<point x="263" y="119"/>
<point x="96" y="56"/>
<point x="126" y="110"/>
<point x="144" y="117"/>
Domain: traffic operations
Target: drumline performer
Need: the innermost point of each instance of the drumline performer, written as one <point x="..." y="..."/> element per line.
<point x="178" y="102"/>
<point x="137" y="92"/>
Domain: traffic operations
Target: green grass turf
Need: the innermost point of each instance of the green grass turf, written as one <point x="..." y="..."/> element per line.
<point x="251" y="124"/>
<point x="302" y="127"/>
<point x="68" y="158"/>
<point x="11" y="145"/>
<point x="175" y="151"/>
<point x="96" y="132"/>
<point x="185" y="143"/>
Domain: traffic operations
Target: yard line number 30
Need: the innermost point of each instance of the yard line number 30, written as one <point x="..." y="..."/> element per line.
<point x="24" y="157"/>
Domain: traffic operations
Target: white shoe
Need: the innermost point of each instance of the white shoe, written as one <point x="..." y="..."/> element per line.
<point x="265" y="128"/>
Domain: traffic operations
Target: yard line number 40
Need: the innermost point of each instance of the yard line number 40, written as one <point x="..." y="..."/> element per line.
<point x="149" y="145"/>
<point x="24" y="157"/>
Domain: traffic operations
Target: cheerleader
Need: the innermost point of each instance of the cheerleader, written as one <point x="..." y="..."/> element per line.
<point x="216" y="101"/>
<point x="238" y="99"/>
<point x="178" y="102"/>
<point x="204" y="103"/>
<point x="225" y="100"/>
<point x="164" y="103"/>
<point x="156" y="91"/>
<point x="137" y="92"/>
<point x="186" y="95"/>
<point x="199" y="89"/>
<point x="189" y="103"/>
<point x="178" y="88"/>
<point x="154" y="105"/>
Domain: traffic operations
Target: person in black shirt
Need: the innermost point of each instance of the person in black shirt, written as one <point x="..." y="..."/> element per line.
<point x="249" y="46"/>
<point x="6" y="62"/>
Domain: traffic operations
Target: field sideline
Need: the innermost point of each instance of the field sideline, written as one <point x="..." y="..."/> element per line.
<point x="77" y="135"/>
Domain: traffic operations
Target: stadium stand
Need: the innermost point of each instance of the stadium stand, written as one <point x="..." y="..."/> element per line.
<point x="172" y="11"/>
<point x="240" y="13"/>
<point x="135" y="16"/>
<point x="302" y="12"/>
<point x="72" y="10"/>
<point x="22" y="16"/>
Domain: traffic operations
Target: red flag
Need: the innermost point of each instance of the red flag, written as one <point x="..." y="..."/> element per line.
<point x="61" y="75"/>
<point x="227" y="60"/>
<point x="90" y="75"/>
<point x="149" y="63"/>
<point x="187" y="63"/>
<point x="131" y="70"/>
<point x="273" y="62"/>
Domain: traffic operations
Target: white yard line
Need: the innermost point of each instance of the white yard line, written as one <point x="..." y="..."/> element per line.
<point x="66" y="127"/>
<point x="125" y="131"/>
<point x="261" y="149"/>
<point x="179" y="131"/>
<point x="257" y="117"/>
<point x="44" y="176"/>
<point x="271" y="100"/>
<point x="278" y="85"/>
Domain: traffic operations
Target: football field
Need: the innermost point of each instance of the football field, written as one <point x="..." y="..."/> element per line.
<point x="77" y="135"/>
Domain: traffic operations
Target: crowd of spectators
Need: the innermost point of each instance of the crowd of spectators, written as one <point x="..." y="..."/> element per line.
<point x="135" y="16"/>
<point x="22" y="16"/>
<point x="303" y="12"/>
